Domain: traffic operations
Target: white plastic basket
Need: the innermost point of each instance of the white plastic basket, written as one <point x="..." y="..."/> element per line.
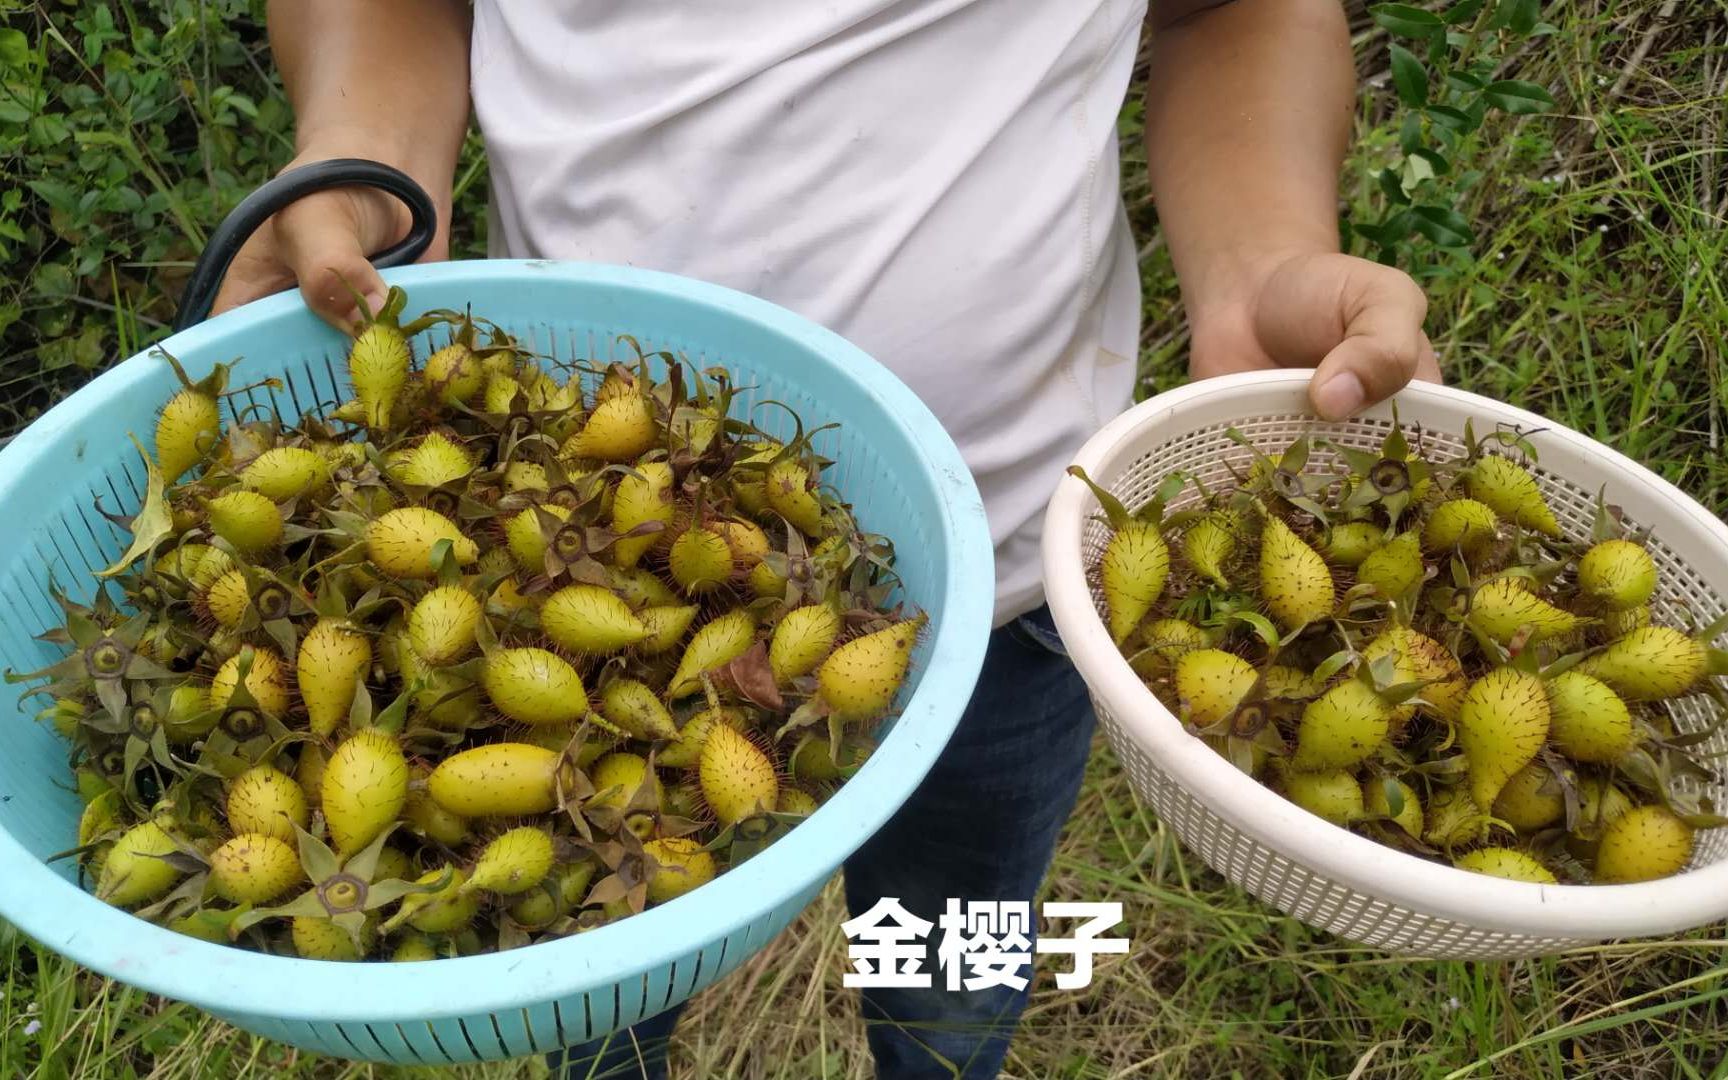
<point x="1326" y="876"/>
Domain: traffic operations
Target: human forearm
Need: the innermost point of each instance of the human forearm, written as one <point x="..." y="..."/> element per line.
<point x="1247" y="117"/>
<point x="385" y="79"/>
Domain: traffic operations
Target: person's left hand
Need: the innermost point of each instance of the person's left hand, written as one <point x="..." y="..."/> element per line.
<point x="1357" y="322"/>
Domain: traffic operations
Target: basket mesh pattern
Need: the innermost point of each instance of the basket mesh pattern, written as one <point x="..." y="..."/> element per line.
<point x="1684" y="598"/>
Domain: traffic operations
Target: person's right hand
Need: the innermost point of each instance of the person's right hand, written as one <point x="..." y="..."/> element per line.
<point x="320" y="242"/>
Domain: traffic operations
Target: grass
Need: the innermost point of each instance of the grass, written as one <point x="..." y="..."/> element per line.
<point x="1597" y="297"/>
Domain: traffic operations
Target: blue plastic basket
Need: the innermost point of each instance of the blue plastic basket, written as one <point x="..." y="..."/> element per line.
<point x="895" y="465"/>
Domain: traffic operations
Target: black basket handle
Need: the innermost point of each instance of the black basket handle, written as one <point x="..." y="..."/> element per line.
<point x="255" y="209"/>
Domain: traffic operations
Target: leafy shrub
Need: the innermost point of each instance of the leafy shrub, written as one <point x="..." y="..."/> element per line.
<point x="127" y="130"/>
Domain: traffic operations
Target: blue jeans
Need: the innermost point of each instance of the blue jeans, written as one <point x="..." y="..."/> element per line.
<point x="982" y="826"/>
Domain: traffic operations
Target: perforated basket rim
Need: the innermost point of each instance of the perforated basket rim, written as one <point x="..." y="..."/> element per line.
<point x="1685" y="901"/>
<point x="237" y="982"/>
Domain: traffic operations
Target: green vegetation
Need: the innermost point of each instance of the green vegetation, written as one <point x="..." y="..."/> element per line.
<point x="1592" y="292"/>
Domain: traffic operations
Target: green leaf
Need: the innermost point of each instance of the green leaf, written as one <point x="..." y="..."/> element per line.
<point x="1436" y="161"/>
<point x="1393" y="186"/>
<point x="1407" y="21"/>
<point x="1518" y="16"/>
<point x="1461" y="12"/>
<point x="1410" y="132"/>
<point x="1409" y="76"/>
<point x="153" y="524"/>
<point x="1451" y="118"/>
<point x="1417" y="172"/>
<point x="1443" y="226"/>
<point x="1518" y="97"/>
<point x="14" y="48"/>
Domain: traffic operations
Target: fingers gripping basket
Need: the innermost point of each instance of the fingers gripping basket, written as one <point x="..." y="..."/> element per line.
<point x="895" y="465"/>
<point x="1323" y="875"/>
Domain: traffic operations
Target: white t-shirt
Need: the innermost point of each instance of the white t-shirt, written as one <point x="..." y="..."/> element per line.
<point x="935" y="180"/>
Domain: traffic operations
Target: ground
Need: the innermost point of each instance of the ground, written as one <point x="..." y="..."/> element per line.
<point x="1596" y="297"/>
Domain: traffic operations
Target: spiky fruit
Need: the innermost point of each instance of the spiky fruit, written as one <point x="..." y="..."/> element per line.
<point x="1617" y="624"/>
<point x="1463" y="525"/>
<point x="443" y="623"/>
<point x="189" y="427"/>
<point x="440" y="912"/>
<point x="454" y="374"/>
<point x="700" y="560"/>
<point x="134" y="871"/>
<point x="1531" y="799"/>
<point x="253" y="868"/>
<point x="1351" y="542"/>
<point x="1376" y="803"/>
<point x="498" y="395"/>
<point x="267" y="681"/>
<point x="1341" y="727"/>
<point x="1133" y="571"/>
<point x="1294" y="580"/>
<point x="436" y="461"/>
<point x="228" y="599"/>
<point x="1511" y="492"/>
<point x="562" y="889"/>
<point x="317" y="938"/>
<point x="199" y="565"/>
<point x="333" y="659"/>
<point x="747" y="542"/>
<point x="1162" y="642"/>
<point x="633" y="706"/>
<point x="525" y="535"/>
<point x="500" y="779"/>
<point x="617" y="777"/>
<point x="590" y="619"/>
<point x="534" y="686"/>
<point x="1506" y="863"/>
<point x="393" y="865"/>
<point x="1395" y="567"/>
<point x="680" y="865"/>
<point x="1283" y="681"/>
<point x="1452" y="819"/>
<point x="1650" y="663"/>
<point x="428" y="818"/>
<point x="514" y="862"/>
<point x="622" y="428"/>
<point x="719" y="642"/>
<point x="859" y="679"/>
<point x="246" y="520"/>
<point x="286" y="472"/>
<point x="1209" y="543"/>
<point x="413" y="949"/>
<point x="1419" y="657"/>
<point x="802" y="639"/>
<point x="686" y="750"/>
<point x="642" y="589"/>
<point x="666" y="627"/>
<point x="642" y="497"/>
<point x="1642" y="844"/>
<point x="795" y="801"/>
<point x="522" y="476"/>
<point x="790" y="492"/>
<point x="737" y="778"/>
<point x="1617" y="574"/>
<point x="764" y="580"/>
<point x="378" y="368"/>
<point x="265" y="801"/>
<point x="364" y="788"/>
<point x="1501" y="726"/>
<point x="1503" y="607"/>
<point x="1212" y="682"/>
<point x="1335" y="796"/>
<point x="308" y="771"/>
<point x="1589" y="721"/>
<point x="400" y="542"/>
